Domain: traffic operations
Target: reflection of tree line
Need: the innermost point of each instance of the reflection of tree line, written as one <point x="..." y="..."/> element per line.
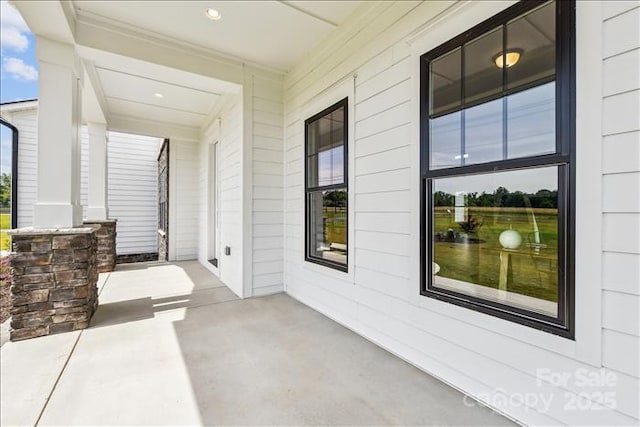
<point x="335" y="199"/>
<point x="501" y="197"/>
<point x="5" y="190"/>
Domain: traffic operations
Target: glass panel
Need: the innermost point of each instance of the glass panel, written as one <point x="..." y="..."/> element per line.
<point x="331" y="166"/>
<point x="446" y="92"/>
<point x="534" y="37"/>
<point x="328" y="225"/>
<point x="325" y="150"/>
<point x="531" y="125"/>
<point x="482" y="78"/>
<point x="495" y="237"/>
<point x="326" y="168"/>
<point x="446" y="141"/>
<point x="483" y="132"/>
<point x="312" y="171"/>
<point x="326" y="132"/>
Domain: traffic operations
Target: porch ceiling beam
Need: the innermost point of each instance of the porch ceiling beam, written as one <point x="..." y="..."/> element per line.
<point x="94" y="109"/>
<point x="114" y="39"/>
<point x="59" y="21"/>
<point x="52" y="20"/>
<point x="127" y="124"/>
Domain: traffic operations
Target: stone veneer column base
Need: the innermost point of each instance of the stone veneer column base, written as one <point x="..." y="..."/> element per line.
<point x="54" y="281"/>
<point x="106" y="243"/>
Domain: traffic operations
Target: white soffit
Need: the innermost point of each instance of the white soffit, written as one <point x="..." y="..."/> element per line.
<point x="275" y="34"/>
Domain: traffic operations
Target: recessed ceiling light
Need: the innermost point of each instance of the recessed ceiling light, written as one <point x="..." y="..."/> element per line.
<point x="212" y="14"/>
<point x="508" y="59"/>
<point x="158" y="95"/>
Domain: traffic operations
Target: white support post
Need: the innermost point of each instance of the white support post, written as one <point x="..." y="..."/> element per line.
<point x="59" y="115"/>
<point x="97" y="208"/>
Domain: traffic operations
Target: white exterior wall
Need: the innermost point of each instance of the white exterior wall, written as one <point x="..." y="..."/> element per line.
<point x="184" y="204"/>
<point x="267" y="190"/>
<point x="249" y="132"/>
<point x="132" y="194"/>
<point x="486" y="357"/>
<point x="226" y="130"/>
<point x="621" y="173"/>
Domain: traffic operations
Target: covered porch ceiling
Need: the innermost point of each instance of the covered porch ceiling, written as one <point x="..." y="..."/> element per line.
<point x="164" y="67"/>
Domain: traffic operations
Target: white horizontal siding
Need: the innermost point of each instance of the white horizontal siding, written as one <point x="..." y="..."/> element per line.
<point x="621" y="31"/>
<point x="621" y="272"/>
<point x="183" y="199"/>
<point x="132" y="194"/>
<point x="621" y="191"/>
<point x="27" y="123"/>
<point x="621" y="352"/>
<point x="226" y="131"/>
<point x="267" y="182"/>
<point x="231" y="139"/>
<point x="483" y="356"/>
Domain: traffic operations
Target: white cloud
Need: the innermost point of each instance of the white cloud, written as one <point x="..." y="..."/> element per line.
<point x="11" y="38"/>
<point x="13" y="29"/>
<point x="18" y="69"/>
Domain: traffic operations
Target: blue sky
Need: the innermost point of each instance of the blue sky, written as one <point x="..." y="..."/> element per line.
<point x="18" y="69"/>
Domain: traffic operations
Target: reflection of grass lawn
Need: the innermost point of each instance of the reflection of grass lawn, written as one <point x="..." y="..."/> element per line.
<point x="5" y="245"/>
<point x="336" y="225"/>
<point x="5" y="224"/>
<point x="535" y="275"/>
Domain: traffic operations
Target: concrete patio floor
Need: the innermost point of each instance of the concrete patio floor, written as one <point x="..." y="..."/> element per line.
<point x="170" y="344"/>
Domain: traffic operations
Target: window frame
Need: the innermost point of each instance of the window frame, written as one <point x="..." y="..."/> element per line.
<point x="163" y="190"/>
<point x="14" y="170"/>
<point x="564" y="158"/>
<point x="344" y="103"/>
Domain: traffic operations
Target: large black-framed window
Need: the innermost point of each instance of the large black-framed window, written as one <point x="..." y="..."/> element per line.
<point x="326" y="187"/>
<point x="498" y="167"/>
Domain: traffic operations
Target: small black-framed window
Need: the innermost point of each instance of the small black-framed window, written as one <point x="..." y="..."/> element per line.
<point x="497" y="124"/>
<point x="326" y="187"/>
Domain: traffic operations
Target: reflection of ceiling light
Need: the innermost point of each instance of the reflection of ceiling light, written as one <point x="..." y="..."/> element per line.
<point x="158" y="95"/>
<point x="212" y="14"/>
<point x="509" y="58"/>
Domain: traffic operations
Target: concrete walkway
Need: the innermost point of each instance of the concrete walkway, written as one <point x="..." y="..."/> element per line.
<point x="170" y="344"/>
